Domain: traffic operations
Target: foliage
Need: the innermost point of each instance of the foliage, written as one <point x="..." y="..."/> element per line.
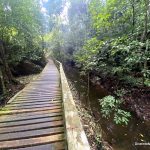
<point x="72" y="28"/>
<point x="120" y="92"/>
<point x="21" y="36"/>
<point x="121" y="117"/>
<point x="123" y="46"/>
<point x="21" y="28"/>
<point x="110" y="106"/>
<point x="87" y="56"/>
<point x="110" y="37"/>
<point x="117" y="56"/>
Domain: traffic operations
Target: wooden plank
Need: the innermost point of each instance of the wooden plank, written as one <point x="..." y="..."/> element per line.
<point x="52" y="82"/>
<point x="33" y="107"/>
<point x="32" y="91"/>
<point x="21" y="117"/>
<point x="47" y="85"/>
<point x="32" y="141"/>
<point x="31" y="134"/>
<point x="26" y="103"/>
<point x="36" y="102"/>
<point x="42" y="90"/>
<point x="37" y="96"/>
<point x="31" y="127"/>
<point x="39" y="93"/>
<point x="53" y="146"/>
<point x="9" y="112"/>
<point x="34" y="112"/>
<point x="38" y="105"/>
<point x="27" y="122"/>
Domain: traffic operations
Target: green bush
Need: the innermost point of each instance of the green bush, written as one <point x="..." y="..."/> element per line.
<point x="111" y="106"/>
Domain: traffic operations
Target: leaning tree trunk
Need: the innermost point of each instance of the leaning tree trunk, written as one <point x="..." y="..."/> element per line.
<point x="5" y="73"/>
<point x="2" y="83"/>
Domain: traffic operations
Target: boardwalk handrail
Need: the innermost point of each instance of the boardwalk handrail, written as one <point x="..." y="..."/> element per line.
<point x="76" y="137"/>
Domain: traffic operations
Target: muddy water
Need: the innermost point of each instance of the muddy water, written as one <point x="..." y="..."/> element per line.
<point x="131" y="137"/>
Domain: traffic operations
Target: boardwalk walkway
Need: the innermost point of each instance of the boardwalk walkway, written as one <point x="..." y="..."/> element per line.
<point x="33" y="120"/>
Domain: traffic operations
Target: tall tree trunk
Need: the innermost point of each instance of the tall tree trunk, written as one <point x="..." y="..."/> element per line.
<point x="145" y="62"/>
<point x="133" y="15"/>
<point x="144" y="36"/>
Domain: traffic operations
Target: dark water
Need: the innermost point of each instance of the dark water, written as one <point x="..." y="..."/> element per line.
<point x="119" y="137"/>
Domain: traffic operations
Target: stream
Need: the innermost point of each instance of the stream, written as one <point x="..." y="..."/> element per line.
<point x="135" y="136"/>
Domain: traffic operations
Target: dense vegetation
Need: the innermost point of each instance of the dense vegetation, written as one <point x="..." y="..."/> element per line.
<point x="21" y="38"/>
<point x="111" y="36"/>
<point x="108" y="39"/>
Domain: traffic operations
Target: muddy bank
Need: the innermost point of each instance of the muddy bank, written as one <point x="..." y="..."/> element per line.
<point x="91" y="127"/>
<point x="120" y="137"/>
<point x="136" y="98"/>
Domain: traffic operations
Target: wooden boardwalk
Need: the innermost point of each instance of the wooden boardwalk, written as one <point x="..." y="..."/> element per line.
<point x="34" y="119"/>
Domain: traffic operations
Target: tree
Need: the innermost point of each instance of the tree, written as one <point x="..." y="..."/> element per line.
<point x="21" y="33"/>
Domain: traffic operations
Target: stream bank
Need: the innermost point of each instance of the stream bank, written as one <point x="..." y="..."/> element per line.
<point x="91" y="126"/>
<point x="136" y="98"/>
<point x="120" y="137"/>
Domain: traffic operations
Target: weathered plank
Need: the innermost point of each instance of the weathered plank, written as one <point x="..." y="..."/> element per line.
<point x="31" y="141"/>
<point x="39" y="102"/>
<point x="30" y="127"/>
<point x="27" y="122"/>
<point x="39" y="98"/>
<point x="32" y="133"/>
<point x="35" y="107"/>
<point x="7" y="112"/>
<point x="48" y="104"/>
<point x="54" y="146"/>
<point x="21" y="117"/>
